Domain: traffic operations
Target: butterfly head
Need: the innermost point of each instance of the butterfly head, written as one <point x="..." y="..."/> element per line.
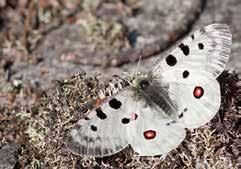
<point x="141" y="81"/>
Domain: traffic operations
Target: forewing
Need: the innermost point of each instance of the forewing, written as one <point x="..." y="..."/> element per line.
<point x="201" y="57"/>
<point x="102" y="132"/>
<point x="190" y="71"/>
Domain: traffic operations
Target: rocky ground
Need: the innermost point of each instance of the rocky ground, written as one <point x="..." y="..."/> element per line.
<point x="44" y="42"/>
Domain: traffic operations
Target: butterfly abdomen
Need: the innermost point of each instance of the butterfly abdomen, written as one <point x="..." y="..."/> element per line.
<point x="114" y="86"/>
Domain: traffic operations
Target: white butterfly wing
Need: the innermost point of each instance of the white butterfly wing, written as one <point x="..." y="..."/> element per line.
<point x="151" y="134"/>
<point x="102" y="133"/>
<point x="197" y="105"/>
<point x="191" y="70"/>
<point x="199" y="58"/>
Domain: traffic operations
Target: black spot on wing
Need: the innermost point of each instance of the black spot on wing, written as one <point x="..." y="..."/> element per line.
<point x="171" y="122"/>
<point x="87" y="118"/>
<point x="100" y="113"/>
<point x="125" y="120"/>
<point x="184" y="48"/>
<point x="114" y="103"/>
<point x="185" y="74"/>
<point x="200" y="46"/>
<point x="93" y="128"/>
<point x="192" y="36"/>
<point x="180" y="115"/>
<point x="171" y="60"/>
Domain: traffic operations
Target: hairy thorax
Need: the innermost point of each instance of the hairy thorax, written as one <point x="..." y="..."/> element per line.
<point x="144" y="87"/>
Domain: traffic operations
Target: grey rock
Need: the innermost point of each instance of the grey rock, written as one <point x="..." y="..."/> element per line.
<point x="9" y="156"/>
<point x="159" y="20"/>
<point x="152" y="25"/>
<point x="159" y="23"/>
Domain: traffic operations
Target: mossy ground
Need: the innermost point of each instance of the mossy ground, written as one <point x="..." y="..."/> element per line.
<point x="41" y="130"/>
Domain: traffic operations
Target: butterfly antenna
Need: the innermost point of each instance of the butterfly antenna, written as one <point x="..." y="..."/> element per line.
<point x="139" y="61"/>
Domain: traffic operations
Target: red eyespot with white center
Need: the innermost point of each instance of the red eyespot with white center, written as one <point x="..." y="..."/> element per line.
<point x="198" y="92"/>
<point x="149" y="134"/>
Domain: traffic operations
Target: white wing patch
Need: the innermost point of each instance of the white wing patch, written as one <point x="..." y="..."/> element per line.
<point x="166" y="137"/>
<point x="201" y="57"/>
<point x="152" y="134"/>
<point x="103" y="132"/>
<point x="197" y="105"/>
